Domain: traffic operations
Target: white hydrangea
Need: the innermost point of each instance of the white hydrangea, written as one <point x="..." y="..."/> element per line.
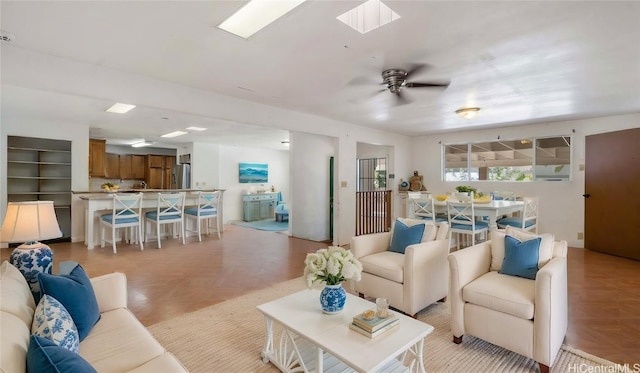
<point x="332" y="265"/>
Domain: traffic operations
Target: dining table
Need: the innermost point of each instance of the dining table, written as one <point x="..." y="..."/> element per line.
<point x="492" y="209"/>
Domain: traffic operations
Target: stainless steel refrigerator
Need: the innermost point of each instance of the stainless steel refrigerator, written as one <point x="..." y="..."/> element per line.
<point x="181" y="176"/>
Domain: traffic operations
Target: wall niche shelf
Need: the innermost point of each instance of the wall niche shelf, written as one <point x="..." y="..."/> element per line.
<point x="40" y="170"/>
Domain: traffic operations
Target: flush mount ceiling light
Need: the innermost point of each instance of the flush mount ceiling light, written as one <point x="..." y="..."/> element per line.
<point x="368" y="16"/>
<point x="196" y="128"/>
<point x="468" y="112"/>
<point x="256" y="15"/>
<point x="119" y="108"/>
<point x="174" y="134"/>
<point x="141" y="144"/>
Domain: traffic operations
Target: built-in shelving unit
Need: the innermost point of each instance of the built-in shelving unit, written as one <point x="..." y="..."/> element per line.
<point x="40" y="170"/>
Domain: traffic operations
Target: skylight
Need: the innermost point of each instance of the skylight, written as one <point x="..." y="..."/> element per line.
<point x="368" y="16"/>
<point x="256" y="15"/>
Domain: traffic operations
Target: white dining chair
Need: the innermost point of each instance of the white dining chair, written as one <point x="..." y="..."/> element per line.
<point x="527" y="220"/>
<point x="207" y="210"/>
<point x="462" y="220"/>
<point x="126" y="212"/>
<point x="424" y="208"/>
<point x="169" y="210"/>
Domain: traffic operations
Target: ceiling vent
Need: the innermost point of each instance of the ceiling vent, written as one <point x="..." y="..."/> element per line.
<point x="6" y="37"/>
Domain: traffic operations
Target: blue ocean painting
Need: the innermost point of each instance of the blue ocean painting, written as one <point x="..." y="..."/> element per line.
<point x="253" y="172"/>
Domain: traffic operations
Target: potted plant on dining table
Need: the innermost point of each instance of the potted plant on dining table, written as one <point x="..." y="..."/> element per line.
<point x="331" y="266"/>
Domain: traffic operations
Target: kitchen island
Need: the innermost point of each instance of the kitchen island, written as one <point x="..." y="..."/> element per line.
<point x="97" y="203"/>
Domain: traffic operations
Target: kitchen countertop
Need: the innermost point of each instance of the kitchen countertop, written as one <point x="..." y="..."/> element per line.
<point x="135" y="190"/>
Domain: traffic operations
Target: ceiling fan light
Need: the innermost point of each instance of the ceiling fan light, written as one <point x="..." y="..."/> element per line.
<point x="468" y="112"/>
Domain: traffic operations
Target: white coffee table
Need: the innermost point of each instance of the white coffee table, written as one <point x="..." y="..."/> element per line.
<point x="311" y="341"/>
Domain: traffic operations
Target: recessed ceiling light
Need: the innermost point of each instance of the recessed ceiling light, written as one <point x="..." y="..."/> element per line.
<point x="196" y="128"/>
<point x="141" y="144"/>
<point x="468" y="112"/>
<point x="119" y="108"/>
<point x="256" y="15"/>
<point x="174" y="134"/>
<point x="368" y="16"/>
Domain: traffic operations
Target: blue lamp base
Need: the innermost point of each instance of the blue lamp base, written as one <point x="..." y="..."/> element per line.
<point x="31" y="259"/>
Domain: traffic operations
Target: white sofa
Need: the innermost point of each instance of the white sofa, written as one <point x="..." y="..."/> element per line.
<point x="117" y="343"/>
<point x="409" y="281"/>
<point x="500" y="308"/>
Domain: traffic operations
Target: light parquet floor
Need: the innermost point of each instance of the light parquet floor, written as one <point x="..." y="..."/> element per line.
<point x="604" y="291"/>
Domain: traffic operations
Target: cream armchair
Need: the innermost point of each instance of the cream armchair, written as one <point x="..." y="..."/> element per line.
<point x="525" y="316"/>
<point x="409" y="281"/>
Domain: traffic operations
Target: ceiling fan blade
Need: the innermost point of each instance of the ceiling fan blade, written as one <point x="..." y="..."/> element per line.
<point x="416" y="68"/>
<point x="426" y="85"/>
<point x="401" y="99"/>
<point x="362" y="80"/>
<point x="362" y="100"/>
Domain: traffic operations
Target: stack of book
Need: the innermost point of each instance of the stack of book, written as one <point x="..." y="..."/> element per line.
<point x="374" y="327"/>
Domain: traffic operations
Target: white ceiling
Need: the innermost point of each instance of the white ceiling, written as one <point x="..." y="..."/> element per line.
<point x="519" y="61"/>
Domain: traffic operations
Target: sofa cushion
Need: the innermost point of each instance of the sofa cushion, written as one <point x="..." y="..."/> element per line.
<point x="119" y="343"/>
<point x="520" y="258"/>
<point x="75" y="292"/>
<point x="44" y="356"/>
<point x="16" y="297"/>
<point x="14" y="342"/>
<point x="52" y="321"/>
<point x="404" y="235"/>
<point x="509" y="294"/>
<point x="497" y="245"/>
<point x="386" y="264"/>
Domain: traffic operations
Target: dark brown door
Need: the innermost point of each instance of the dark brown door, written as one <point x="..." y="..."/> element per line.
<point x="612" y="196"/>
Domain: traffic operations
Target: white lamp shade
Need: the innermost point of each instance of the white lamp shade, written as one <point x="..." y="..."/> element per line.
<point x="30" y="221"/>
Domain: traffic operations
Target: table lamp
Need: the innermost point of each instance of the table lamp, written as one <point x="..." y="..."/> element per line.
<point x="30" y="222"/>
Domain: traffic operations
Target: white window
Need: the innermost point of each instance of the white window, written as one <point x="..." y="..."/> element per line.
<point x="525" y="159"/>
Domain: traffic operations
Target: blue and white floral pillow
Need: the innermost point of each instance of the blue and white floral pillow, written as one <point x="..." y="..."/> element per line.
<point x="52" y="321"/>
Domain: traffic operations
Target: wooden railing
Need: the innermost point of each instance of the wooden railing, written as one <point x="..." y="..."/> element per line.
<point x="373" y="212"/>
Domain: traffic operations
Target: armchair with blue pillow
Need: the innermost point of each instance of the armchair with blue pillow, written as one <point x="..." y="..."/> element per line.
<point x="512" y="291"/>
<point x="407" y="266"/>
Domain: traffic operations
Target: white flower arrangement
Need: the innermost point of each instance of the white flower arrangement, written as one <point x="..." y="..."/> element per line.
<point x="332" y="265"/>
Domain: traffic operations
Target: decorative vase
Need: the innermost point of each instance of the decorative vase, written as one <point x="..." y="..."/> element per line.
<point x="332" y="299"/>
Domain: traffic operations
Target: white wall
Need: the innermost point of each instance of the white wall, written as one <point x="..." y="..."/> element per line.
<point x="229" y="158"/>
<point x="309" y="207"/>
<point x="561" y="202"/>
<point x="205" y="166"/>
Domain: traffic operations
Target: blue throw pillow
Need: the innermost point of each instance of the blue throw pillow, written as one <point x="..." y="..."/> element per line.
<point x="76" y="294"/>
<point x="44" y="356"/>
<point x="404" y="236"/>
<point x="521" y="258"/>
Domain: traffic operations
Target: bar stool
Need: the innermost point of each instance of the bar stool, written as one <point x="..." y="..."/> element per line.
<point x="169" y="210"/>
<point x="125" y="213"/>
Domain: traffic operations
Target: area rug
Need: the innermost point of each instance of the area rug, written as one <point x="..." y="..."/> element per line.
<point x="264" y="225"/>
<point x="229" y="336"/>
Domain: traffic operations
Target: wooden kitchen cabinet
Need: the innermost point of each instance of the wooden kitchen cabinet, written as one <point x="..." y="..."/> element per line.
<point x="153" y="171"/>
<point x="169" y="162"/>
<point x="97" y="157"/>
<point x="155" y="161"/>
<point x="126" y="172"/>
<point x="112" y="166"/>
<point x="137" y="167"/>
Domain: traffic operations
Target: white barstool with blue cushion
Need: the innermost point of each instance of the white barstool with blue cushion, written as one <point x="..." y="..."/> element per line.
<point x="462" y="220"/>
<point x="125" y="213"/>
<point x="527" y="221"/>
<point x="169" y="210"/>
<point x="207" y="209"/>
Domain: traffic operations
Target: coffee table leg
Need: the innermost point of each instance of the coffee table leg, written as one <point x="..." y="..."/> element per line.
<point x="268" y="344"/>
<point x="417" y="365"/>
<point x="320" y="361"/>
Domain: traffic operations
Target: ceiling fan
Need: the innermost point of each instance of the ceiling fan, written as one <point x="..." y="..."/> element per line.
<point x="397" y="80"/>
